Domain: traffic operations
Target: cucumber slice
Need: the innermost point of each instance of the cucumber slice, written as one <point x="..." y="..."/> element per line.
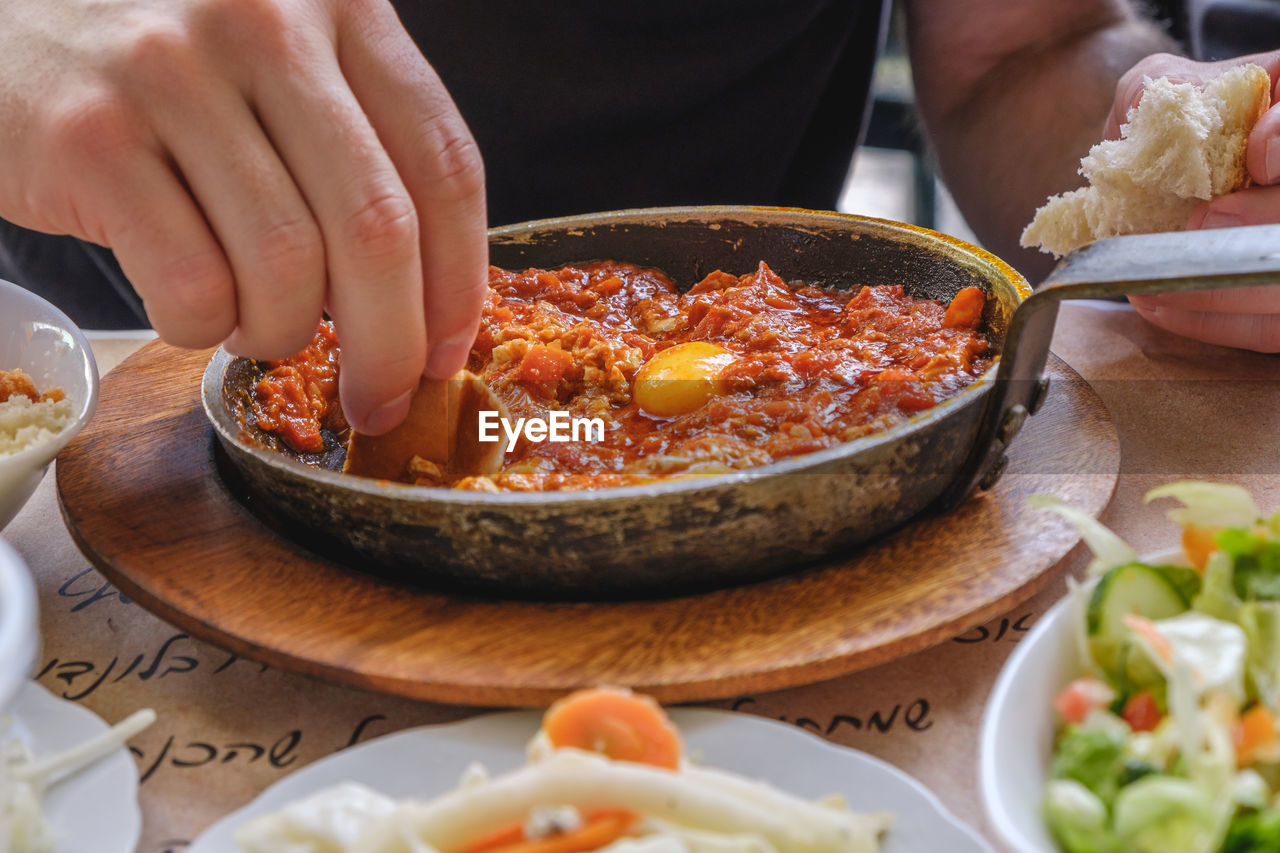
<point x="1186" y="581"/>
<point x="1137" y="589"/>
<point x="1133" y="588"/>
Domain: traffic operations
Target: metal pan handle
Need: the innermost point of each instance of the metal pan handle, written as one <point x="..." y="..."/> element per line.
<point x="1175" y="262"/>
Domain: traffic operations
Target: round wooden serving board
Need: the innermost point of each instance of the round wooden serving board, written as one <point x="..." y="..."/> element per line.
<point x="141" y="494"/>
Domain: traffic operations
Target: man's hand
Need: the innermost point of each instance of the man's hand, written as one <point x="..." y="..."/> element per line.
<point x="252" y="163"/>
<point x="1248" y="318"/>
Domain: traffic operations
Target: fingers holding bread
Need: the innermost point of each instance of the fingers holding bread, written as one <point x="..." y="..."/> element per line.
<point x="1188" y="145"/>
<point x="1254" y="205"/>
<point x="1251" y="331"/>
<point x="1260" y="300"/>
<point x="1183" y="144"/>
<point x="1263" y="155"/>
<point x="1244" y="318"/>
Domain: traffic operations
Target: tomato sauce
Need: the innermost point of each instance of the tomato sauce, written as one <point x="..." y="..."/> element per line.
<point x="810" y="368"/>
<point x="298" y="396"/>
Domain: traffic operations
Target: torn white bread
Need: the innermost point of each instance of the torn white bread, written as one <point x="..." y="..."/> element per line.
<point x="1183" y="144"/>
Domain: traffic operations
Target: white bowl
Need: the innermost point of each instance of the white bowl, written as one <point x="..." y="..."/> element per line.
<point x="1016" y="744"/>
<point x="40" y="339"/>
<point x="19" y="634"/>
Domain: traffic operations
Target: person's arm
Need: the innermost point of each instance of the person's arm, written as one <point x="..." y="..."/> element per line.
<point x="251" y="163"/>
<point x="1013" y="95"/>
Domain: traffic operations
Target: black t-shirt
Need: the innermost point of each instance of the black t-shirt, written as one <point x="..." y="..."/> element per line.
<point x="588" y="105"/>
<point x="585" y="105"/>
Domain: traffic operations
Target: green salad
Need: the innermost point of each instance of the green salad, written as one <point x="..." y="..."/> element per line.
<point x="1168" y="740"/>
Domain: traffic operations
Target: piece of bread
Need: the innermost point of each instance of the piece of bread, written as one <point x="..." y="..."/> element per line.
<point x="1183" y="144"/>
<point x="442" y="427"/>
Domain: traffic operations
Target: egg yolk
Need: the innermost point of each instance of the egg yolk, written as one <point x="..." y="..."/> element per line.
<point x="679" y="379"/>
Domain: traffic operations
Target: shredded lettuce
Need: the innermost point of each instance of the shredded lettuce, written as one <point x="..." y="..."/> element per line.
<point x="1165" y="814"/>
<point x="1256" y="560"/>
<point x="1217" y="597"/>
<point x="1109" y="550"/>
<point x="1078" y="613"/>
<point x="1077" y="819"/>
<point x="1200" y="656"/>
<point x="1214" y="769"/>
<point x="1255" y="832"/>
<point x="1208" y="504"/>
<point x="1260" y="621"/>
<point x="1211" y="650"/>
<point x="1093" y="756"/>
<point x="1155" y="748"/>
<point x="1249" y="790"/>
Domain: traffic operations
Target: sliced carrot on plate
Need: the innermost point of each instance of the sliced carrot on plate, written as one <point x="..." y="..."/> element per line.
<point x="618" y="723"/>
<point x="498" y="840"/>
<point x="599" y="829"/>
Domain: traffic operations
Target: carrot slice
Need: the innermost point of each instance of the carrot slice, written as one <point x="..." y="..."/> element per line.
<point x="508" y="836"/>
<point x="617" y="723"/>
<point x="1255" y="735"/>
<point x="599" y="828"/>
<point x="1199" y="543"/>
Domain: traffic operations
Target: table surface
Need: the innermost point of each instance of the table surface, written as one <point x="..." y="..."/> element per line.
<point x="229" y="727"/>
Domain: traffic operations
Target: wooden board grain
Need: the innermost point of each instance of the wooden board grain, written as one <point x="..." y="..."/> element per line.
<point x="141" y="495"/>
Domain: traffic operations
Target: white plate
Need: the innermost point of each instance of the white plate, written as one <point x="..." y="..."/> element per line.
<point x="96" y="809"/>
<point x="427" y="761"/>
<point x="19" y="633"/>
<point x="1016" y="746"/>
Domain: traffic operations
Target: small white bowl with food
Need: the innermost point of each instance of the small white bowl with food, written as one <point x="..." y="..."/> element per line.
<point x="48" y="391"/>
<point x="1140" y="713"/>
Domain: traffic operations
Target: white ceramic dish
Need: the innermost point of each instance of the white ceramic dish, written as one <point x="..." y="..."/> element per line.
<point x="96" y="809"/>
<point x="19" y="629"/>
<point x="426" y="761"/>
<point x="40" y="339"/>
<point x="1017" y="730"/>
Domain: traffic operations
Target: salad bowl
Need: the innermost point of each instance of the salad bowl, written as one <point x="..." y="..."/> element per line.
<point x="1016" y="743"/>
<point x="1140" y="714"/>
